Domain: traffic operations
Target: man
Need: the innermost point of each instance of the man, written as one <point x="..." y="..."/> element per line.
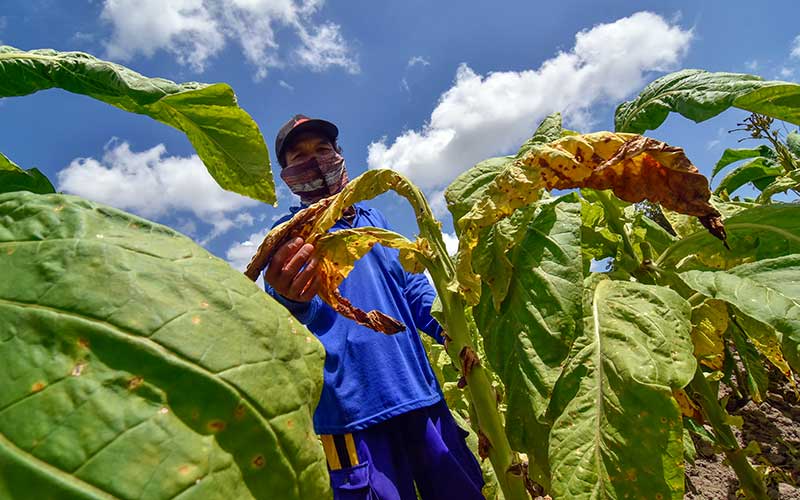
<point x="381" y="416"/>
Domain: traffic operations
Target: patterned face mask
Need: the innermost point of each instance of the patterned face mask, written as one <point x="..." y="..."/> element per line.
<point x="317" y="177"/>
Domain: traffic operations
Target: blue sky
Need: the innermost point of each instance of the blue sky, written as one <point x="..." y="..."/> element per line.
<point x="427" y="88"/>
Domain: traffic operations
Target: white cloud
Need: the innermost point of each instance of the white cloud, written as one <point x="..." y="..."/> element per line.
<point x="194" y="31"/>
<point x="785" y="72"/>
<point x="751" y="65"/>
<point x="796" y="47"/>
<point x="450" y="242"/>
<point x="239" y="254"/>
<point x="286" y="86"/>
<point x="482" y="116"/>
<point x="418" y="60"/>
<point x="153" y="185"/>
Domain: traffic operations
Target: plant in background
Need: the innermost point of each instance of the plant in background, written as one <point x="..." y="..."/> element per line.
<point x="771" y="170"/>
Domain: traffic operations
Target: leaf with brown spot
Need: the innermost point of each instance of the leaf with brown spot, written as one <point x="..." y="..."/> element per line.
<point x="338" y="251"/>
<point x="634" y="167"/>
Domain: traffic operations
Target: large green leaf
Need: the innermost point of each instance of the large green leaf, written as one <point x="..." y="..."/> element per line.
<point x="529" y="337"/>
<point x="470" y="186"/>
<point x="733" y="155"/>
<point x="617" y="430"/>
<point x="226" y="138"/>
<point x="15" y="178"/>
<point x="700" y="95"/>
<point x="753" y="234"/>
<point x="134" y="364"/>
<point x="767" y="290"/>
<point x="758" y="169"/>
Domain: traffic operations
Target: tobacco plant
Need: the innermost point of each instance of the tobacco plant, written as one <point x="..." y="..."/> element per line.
<point x="189" y="380"/>
<point x="604" y="373"/>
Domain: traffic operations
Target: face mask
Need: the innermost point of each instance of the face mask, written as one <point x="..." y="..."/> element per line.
<point x="317" y="177"/>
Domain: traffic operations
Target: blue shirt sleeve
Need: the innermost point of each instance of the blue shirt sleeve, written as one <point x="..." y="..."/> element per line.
<point x="420" y="295"/>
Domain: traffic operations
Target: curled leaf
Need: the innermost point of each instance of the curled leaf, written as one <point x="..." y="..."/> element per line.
<point x="339" y="250"/>
<point x="337" y="253"/>
<point x="634" y="167"/>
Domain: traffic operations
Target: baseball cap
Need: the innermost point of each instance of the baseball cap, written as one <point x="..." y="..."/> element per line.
<point x="299" y="124"/>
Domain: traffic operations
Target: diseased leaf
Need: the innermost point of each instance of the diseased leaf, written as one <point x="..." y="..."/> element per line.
<point x="134" y="364"/>
<point x="312" y="223"/>
<point x="764" y="338"/>
<point x="15" y="178"/>
<point x="709" y="323"/>
<point x="733" y="155"/>
<point x="699" y="95"/>
<point x="767" y="290"/>
<point x="528" y="338"/>
<point x="634" y="167"/>
<point x="337" y="254"/>
<point x="225" y="137"/>
<point x="760" y="169"/>
<point x="616" y="394"/>
<point x="753" y="234"/>
<point x="469" y="187"/>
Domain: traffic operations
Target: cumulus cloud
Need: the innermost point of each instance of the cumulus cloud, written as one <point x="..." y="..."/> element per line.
<point x="796" y="47"/>
<point x="194" y="31"/>
<point x="486" y="115"/>
<point x="239" y="254"/>
<point x="152" y="184"/>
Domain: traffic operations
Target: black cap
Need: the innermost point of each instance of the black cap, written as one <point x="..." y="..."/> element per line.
<point x="299" y="124"/>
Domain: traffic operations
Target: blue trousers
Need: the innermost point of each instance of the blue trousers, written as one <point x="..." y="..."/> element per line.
<point x="383" y="462"/>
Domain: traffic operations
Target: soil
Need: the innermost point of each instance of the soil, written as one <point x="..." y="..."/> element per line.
<point x="774" y="425"/>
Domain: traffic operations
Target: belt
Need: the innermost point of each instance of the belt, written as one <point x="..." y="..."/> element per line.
<point x="340" y="450"/>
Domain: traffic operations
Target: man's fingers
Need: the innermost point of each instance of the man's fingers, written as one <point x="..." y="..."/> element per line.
<point x="298" y="260"/>
<point x="285" y="252"/>
<point x="304" y="277"/>
<point x="311" y="289"/>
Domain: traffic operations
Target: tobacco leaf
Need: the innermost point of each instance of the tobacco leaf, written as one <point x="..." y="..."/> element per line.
<point x="766" y="290"/>
<point x="753" y="234"/>
<point x="634" y="167"/>
<point x="700" y="95"/>
<point x="312" y="224"/>
<point x="226" y="138"/>
<point x="709" y="323"/>
<point x="617" y="429"/>
<point x="338" y="251"/>
<point x="135" y="364"/>
<point x="527" y="339"/>
<point x="15" y="178"/>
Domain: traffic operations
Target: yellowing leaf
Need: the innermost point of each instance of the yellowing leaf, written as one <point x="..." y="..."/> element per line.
<point x="709" y="323"/>
<point x="339" y="250"/>
<point x="337" y="253"/>
<point x="688" y="407"/>
<point x="634" y="167"/>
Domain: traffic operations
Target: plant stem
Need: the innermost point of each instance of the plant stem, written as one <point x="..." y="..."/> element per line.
<point x="750" y="480"/>
<point x="482" y="398"/>
<point x="461" y="331"/>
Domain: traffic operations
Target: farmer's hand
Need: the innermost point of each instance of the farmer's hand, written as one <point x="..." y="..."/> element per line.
<point x="287" y="275"/>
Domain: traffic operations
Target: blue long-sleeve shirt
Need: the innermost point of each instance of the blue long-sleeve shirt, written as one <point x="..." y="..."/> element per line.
<point x="370" y="376"/>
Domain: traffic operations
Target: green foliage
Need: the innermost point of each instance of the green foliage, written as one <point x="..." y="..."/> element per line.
<point x="700" y="95"/>
<point x="134" y="365"/>
<point x="14" y="178"/>
<point x="617" y="431"/>
<point x="226" y="138"/>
